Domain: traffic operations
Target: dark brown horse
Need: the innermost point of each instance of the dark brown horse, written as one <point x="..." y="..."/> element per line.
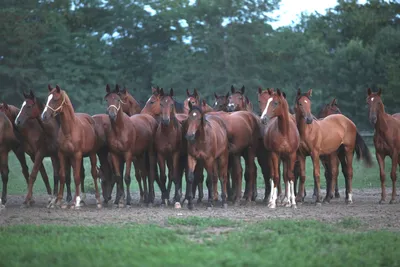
<point x="170" y="145"/>
<point x="238" y="101"/>
<point x="281" y="139"/>
<point x="78" y="138"/>
<point x="8" y="141"/>
<point x="40" y="140"/>
<point x="221" y="102"/>
<point x="207" y="142"/>
<point x="386" y="139"/>
<point x="131" y="137"/>
<point x="324" y="137"/>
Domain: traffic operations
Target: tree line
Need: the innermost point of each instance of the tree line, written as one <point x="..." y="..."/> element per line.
<point x="210" y="45"/>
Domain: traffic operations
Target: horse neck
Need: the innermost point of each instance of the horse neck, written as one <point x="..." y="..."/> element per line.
<point x="13" y="113"/>
<point x="381" y="121"/>
<point x="67" y="118"/>
<point x="301" y="124"/>
<point x="283" y="122"/>
<point x="119" y="122"/>
<point x="50" y="127"/>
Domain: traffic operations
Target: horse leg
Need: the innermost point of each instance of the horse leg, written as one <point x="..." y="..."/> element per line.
<point x="176" y="176"/>
<point x="127" y="177"/>
<point x="119" y="198"/>
<point x="189" y="181"/>
<point x="315" y="160"/>
<point x="82" y="179"/>
<point x="393" y="176"/>
<point x="381" y="162"/>
<point x="139" y="179"/>
<point x="349" y="160"/>
<point x="231" y="170"/>
<point x="93" y="169"/>
<point x="236" y="175"/>
<point x="68" y="167"/>
<point x="215" y="181"/>
<point x="302" y="164"/>
<point x="4" y="177"/>
<point x="170" y="177"/>
<point x="285" y="201"/>
<point x="106" y="179"/>
<point x="274" y="163"/>
<point x="152" y="176"/>
<point x="199" y="176"/>
<point x="37" y="163"/>
<point x="77" y="166"/>
<point x="263" y="162"/>
<point x="211" y="167"/>
<point x="252" y="174"/>
<point x="343" y="163"/>
<point x="163" y="178"/>
<point x="291" y="178"/>
<point x="279" y="186"/>
<point x="223" y="171"/>
<point x="332" y="163"/>
<point x="58" y="201"/>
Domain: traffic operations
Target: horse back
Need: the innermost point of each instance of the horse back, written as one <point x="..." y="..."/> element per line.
<point x="146" y="127"/>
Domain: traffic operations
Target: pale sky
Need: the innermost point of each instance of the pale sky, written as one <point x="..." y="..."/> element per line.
<point x="290" y="10"/>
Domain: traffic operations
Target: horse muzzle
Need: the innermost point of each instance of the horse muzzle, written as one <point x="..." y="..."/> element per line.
<point x="231" y="107"/>
<point x="265" y="119"/>
<point x="190" y="137"/>
<point x="373" y="119"/>
<point x="165" y="121"/>
<point x="309" y="119"/>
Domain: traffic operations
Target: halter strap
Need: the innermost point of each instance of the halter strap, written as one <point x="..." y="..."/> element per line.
<point x="114" y="106"/>
<point x="59" y="107"/>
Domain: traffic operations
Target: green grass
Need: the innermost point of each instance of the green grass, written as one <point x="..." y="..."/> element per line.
<point x="363" y="177"/>
<point x="269" y="243"/>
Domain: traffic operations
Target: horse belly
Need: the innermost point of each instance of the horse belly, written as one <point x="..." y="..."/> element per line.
<point x="330" y="145"/>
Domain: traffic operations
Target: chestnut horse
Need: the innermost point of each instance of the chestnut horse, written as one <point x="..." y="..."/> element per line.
<point x="386" y="139"/>
<point x="324" y="137"/>
<point x="195" y="100"/>
<point x="170" y="145"/>
<point x="40" y="140"/>
<point x="8" y="141"/>
<point x="207" y="142"/>
<point x="221" y="102"/>
<point x="281" y="139"/>
<point x="131" y="137"/>
<point x="238" y="101"/>
<point x="129" y="104"/>
<point x="77" y="139"/>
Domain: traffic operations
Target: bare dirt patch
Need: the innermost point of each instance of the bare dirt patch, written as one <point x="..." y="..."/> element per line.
<point x="365" y="208"/>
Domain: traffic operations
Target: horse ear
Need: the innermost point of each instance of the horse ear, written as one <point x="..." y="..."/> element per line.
<point x="49" y="87"/>
<point x="227" y="95"/>
<point x="31" y="94"/>
<point x="204" y="102"/>
<point x="369" y="91"/>
<point x="259" y="90"/>
<point x="269" y="91"/>
<point x="162" y="92"/>
<point x="216" y="96"/>
<point x="108" y="90"/>
<point x="117" y="88"/>
<point x="334" y="103"/>
<point x="171" y="92"/>
<point x="232" y="89"/>
<point x="195" y="93"/>
<point x="190" y="106"/>
<point x="284" y="95"/>
<point x="58" y="88"/>
<point x="278" y="92"/>
<point x="242" y="89"/>
<point x="379" y="92"/>
<point x="298" y="92"/>
<point x="309" y="92"/>
<point x="187" y="92"/>
<point x="25" y="94"/>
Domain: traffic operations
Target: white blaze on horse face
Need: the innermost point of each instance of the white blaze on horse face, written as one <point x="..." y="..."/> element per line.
<point x="19" y="113"/>
<point x="47" y="104"/>
<point x="305" y="101"/>
<point x="216" y="103"/>
<point x="194" y="114"/>
<point x="372" y="99"/>
<point x="266" y="108"/>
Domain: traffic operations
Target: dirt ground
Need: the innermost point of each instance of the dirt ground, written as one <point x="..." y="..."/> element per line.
<point x="365" y="208"/>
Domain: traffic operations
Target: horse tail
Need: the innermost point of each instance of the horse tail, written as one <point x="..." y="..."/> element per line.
<point x="362" y="151"/>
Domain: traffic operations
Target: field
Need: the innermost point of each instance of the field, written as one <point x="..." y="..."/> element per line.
<point x="364" y="233"/>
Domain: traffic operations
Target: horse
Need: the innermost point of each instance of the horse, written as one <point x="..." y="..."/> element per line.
<point x="386" y="139"/>
<point x="170" y="145"/>
<point x="221" y="102"/>
<point x="40" y="140"/>
<point x="238" y="101"/>
<point x="324" y="137"/>
<point x="129" y="104"/>
<point x="76" y="139"/>
<point x="8" y="141"/>
<point x="195" y="100"/>
<point x="131" y="137"/>
<point x="281" y="139"/>
<point x="207" y="142"/>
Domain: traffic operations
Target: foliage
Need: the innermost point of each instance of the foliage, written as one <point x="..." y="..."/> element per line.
<point x="83" y="45"/>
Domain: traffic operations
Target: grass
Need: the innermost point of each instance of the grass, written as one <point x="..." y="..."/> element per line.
<point x="363" y="177"/>
<point x="270" y="243"/>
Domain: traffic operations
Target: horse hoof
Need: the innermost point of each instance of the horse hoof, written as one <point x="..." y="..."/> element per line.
<point x="382" y="201"/>
<point x="190" y="206"/>
<point x="393" y="201"/>
<point x="272" y="205"/>
<point x="121" y="205"/>
<point x="177" y="205"/>
<point x="209" y="208"/>
<point x="294" y="206"/>
<point x="236" y="203"/>
<point x="64" y="206"/>
<point x="82" y="203"/>
<point x="288" y="205"/>
<point x="150" y="205"/>
<point x="99" y="206"/>
<point x="318" y="204"/>
<point x="337" y="195"/>
<point x="349" y="202"/>
<point x="225" y="205"/>
<point x="199" y="201"/>
<point x="327" y="200"/>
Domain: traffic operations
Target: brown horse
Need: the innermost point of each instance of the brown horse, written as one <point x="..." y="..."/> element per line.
<point x="170" y="145"/>
<point x="281" y="139"/>
<point x="238" y="101"/>
<point x="40" y="140"/>
<point x="8" y="141"/>
<point x="77" y="138"/>
<point x="195" y="100"/>
<point x="129" y="104"/>
<point x="207" y="142"/>
<point x="131" y="137"/>
<point x="386" y="139"/>
<point x="324" y="137"/>
<point x="221" y="102"/>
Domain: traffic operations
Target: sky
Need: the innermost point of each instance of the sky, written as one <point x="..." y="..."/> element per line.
<point x="290" y="10"/>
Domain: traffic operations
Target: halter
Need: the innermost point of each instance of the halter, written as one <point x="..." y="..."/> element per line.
<point x="114" y="106"/>
<point x="57" y="109"/>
